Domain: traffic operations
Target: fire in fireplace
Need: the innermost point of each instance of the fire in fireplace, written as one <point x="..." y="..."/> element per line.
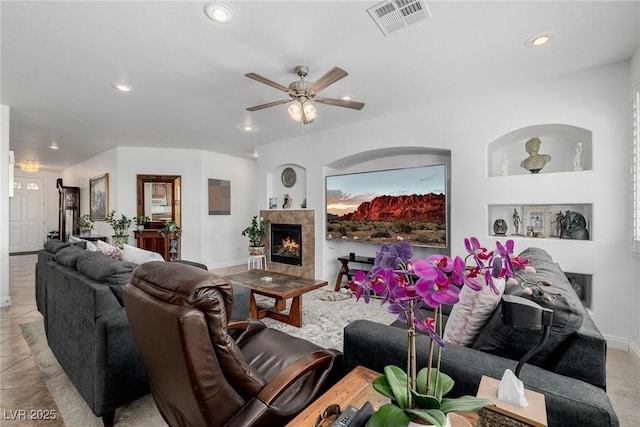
<point x="286" y="243"/>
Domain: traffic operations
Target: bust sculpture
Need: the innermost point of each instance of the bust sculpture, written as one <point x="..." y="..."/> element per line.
<point x="535" y="162"/>
<point x="575" y="227"/>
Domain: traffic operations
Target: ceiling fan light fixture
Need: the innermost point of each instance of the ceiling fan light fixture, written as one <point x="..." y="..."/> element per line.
<point x="295" y="111"/>
<point x="309" y="110"/>
<point x="219" y="12"/>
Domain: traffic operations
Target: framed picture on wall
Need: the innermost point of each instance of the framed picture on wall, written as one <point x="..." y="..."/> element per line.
<point x="99" y="197"/>
<point x="536" y="221"/>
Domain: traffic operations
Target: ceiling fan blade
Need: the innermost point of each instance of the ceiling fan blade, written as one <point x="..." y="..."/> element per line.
<point x="269" y="104"/>
<point x="331" y="76"/>
<point x="341" y="103"/>
<point x="266" y="81"/>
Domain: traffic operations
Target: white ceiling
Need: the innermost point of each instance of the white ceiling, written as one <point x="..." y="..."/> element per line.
<point x="59" y="60"/>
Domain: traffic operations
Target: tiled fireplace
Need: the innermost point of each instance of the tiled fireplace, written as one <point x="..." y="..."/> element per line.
<point x="291" y="242"/>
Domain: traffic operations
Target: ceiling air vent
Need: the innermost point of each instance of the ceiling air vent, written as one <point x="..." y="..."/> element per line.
<point x="394" y="15"/>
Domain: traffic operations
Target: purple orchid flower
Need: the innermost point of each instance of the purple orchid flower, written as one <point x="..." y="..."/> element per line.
<point x="428" y="326"/>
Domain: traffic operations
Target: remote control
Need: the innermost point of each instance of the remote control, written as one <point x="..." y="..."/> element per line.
<point x="345" y="418"/>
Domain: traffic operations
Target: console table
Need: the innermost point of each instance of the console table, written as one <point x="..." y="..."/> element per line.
<point x="346" y="271"/>
<point x="166" y="244"/>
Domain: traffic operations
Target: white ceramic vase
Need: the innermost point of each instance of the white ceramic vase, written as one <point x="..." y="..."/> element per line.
<point x="448" y="424"/>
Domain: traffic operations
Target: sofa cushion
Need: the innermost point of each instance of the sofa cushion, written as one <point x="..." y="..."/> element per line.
<point x="568" y="315"/>
<point x="139" y="256"/>
<point x="470" y="315"/>
<point x="69" y="256"/>
<point x="110" y="250"/>
<point x="104" y="269"/>
<point x="53" y="245"/>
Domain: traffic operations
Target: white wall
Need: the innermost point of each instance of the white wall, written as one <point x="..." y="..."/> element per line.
<point x="595" y="100"/>
<point x="635" y="338"/>
<point x="5" y="299"/>
<point x="212" y="240"/>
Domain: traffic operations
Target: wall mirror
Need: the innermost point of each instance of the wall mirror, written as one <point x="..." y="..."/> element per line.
<point x="159" y="198"/>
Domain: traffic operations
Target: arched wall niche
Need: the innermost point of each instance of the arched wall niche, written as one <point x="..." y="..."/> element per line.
<point x="282" y="181"/>
<point x="560" y="141"/>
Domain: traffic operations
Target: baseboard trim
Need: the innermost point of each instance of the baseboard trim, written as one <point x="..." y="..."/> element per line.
<point x="5" y="301"/>
<point x="623" y="344"/>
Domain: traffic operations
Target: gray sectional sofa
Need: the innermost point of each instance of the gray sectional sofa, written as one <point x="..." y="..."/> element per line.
<point x="570" y="370"/>
<point x="79" y="293"/>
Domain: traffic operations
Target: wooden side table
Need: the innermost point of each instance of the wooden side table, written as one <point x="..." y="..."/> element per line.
<point x="355" y="389"/>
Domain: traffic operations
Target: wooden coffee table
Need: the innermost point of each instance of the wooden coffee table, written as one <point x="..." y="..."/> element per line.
<point x="279" y="286"/>
<point x="355" y="389"/>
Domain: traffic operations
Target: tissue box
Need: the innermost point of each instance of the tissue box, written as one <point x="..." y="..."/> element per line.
<point x="504" y="414"/>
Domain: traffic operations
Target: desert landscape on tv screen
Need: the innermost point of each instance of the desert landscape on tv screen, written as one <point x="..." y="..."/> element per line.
<point x="387" y="206"/>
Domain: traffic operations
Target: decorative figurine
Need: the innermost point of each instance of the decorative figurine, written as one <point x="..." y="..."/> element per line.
<point x="500" y="227"/>
<point x="516" y="222"/>
<point x="577" y="160"/>
<point x="535" y="162"/>
<point x="559" y="221"/>
<point x="287" y="202"/>
<point x="575" y="227"/>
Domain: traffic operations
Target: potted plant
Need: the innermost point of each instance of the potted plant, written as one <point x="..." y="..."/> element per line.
<point x="141" y="221"/>
<point x="85" y="225"/>
<point x="120" y="228"/>
<point x="256" y="232"/>
<point x="406" y="285"/>
<point x="168" y="228"/>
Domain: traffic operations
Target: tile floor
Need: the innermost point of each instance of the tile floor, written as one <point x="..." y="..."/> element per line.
<point x="24" y="398"/>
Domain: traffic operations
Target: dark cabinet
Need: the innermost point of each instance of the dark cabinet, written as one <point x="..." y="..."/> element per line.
<point x="68" y="212"/>
<point x="166" y="244"/>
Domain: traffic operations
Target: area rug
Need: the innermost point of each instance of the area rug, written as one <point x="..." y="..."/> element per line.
<point x="323" y="323"/>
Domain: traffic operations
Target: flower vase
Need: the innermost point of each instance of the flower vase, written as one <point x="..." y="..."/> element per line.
<point x="417" y="424"/>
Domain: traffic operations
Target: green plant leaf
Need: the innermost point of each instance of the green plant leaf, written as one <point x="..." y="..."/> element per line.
<point x="398" y="381"/>
<point x="389" y="415"/>
<point x="464" y="404"/>
<point x="444" y="383"/>
<point x="433" y="416"/>
<point x="424" y="401"/>
<point x="381" y="385"/>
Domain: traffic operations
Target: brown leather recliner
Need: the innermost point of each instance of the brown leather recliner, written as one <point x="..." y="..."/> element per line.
<point x="205" y="371"/>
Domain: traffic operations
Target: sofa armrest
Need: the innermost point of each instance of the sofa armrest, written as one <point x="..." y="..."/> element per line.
<point x="120" y="376"/>
<point x="569" y="400"/>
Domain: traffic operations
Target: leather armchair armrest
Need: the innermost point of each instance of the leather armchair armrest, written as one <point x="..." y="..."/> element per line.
<point x="242" y="329"/>
<point x="289" y="375"/>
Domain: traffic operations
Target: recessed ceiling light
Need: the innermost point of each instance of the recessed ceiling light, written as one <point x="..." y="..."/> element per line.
<point x="54" y="146"/>
<point x="347" y="97"/>
<point x="122" y="87"/>
<point x="540" y="39"/>
<point x="219" y="12"/>
<point x="246" y="128"/>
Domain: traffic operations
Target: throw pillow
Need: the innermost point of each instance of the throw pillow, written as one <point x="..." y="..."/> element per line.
<point x="108" y="249"/>
<point x="470" y="315"/>
<point x="91" y="247"/>
<point x="69" y="256"/>
<point x="139" y="256"/>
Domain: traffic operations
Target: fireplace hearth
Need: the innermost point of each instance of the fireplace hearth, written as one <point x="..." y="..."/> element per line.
<point x="286" y="243"/>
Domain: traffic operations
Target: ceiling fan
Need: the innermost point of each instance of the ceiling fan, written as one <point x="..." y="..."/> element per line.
<point x="303" y="92"/>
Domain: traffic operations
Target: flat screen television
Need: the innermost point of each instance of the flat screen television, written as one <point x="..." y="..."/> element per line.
<point x="385" y="206"/>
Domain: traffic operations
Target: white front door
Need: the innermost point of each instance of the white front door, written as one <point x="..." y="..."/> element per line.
<point x="26" y="221"/>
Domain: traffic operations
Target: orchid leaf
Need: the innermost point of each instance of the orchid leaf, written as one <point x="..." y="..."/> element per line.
<point x="424" y="401"/>
<point x="433" y="416"/>
<point x="464" y="404"/>
<point x="399" y="384"/>
<point x="389" y="415"/>
<point x="381" y="385"/>
<point x="441" y="383"/>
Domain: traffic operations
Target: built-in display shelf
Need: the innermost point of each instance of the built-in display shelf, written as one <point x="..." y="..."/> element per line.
<point x="542" y="221"/>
